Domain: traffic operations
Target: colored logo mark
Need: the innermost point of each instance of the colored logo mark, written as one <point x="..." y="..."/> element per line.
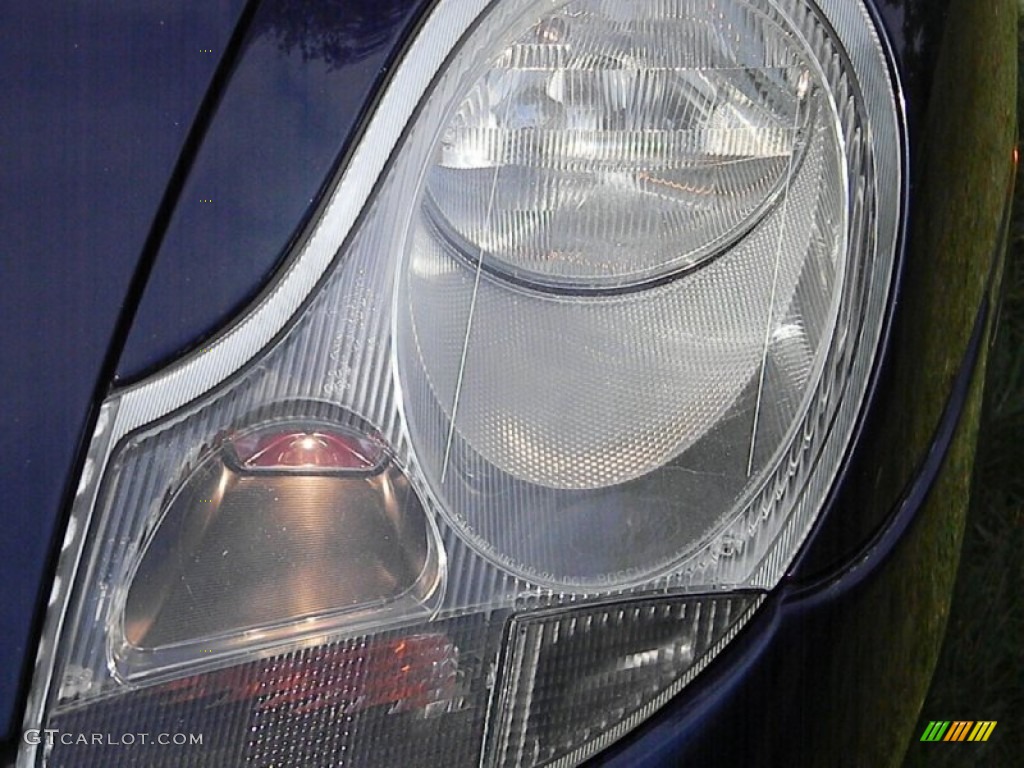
<point x="958" y="730"/>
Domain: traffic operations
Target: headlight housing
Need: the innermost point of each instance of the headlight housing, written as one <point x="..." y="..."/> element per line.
<point x="568" y="399"/>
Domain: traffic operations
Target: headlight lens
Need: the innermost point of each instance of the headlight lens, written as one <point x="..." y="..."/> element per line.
<point x="611" y="145"/>
<point x="566" y="404"/>
<point x="621" y="279"/>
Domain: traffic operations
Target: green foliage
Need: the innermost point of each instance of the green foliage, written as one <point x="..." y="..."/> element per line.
<point x="980" y="673"/>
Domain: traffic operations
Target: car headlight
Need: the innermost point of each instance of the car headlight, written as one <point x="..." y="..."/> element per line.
<point x="602" y="289"/>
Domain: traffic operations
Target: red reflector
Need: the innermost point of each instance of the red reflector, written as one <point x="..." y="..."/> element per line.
<point x="318" y="449"/>
<point x="409" y="673"/>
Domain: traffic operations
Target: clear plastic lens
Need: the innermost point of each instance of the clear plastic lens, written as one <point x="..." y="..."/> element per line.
<point x="564" y="696"/>
<point x="593" y="351"/>
<point x="398" y="698"/>
<point x="668" y="138"/>
<point x="611" y="144"/>
<point x="290" y="522"/>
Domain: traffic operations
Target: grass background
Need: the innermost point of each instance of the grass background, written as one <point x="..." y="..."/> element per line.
<point x="980" y="672"/>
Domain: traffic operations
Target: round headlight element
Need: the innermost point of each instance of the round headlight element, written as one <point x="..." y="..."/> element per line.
<point x="612" y="145"/>
<point x="639" y="236"/>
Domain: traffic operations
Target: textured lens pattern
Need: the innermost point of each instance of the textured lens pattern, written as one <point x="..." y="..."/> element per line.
<point x="399" y="698"/>
<point x="575" y="680"/>
<point x="563" y="402"/>
<point x="571" y="682"/>
<point x="614" y="143"/>
<point x="585" y="392"/>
